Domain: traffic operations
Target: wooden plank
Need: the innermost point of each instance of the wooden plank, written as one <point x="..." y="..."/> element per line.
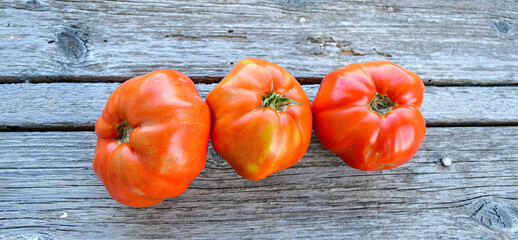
<point x="459" y="42"/>
<point x="48" y="189"/>
<point x="77" y="106"/>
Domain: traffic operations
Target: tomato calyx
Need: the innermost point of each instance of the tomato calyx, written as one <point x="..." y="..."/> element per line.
<point x="381" y="104"/>
<point x="278" y="102"/>
<point x="123" y="130"/>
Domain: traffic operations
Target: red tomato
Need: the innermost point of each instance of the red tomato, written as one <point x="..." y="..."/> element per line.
<point x="261" y="119"/>
<point x="368" y="114"/>
<point x="152" y="138"/>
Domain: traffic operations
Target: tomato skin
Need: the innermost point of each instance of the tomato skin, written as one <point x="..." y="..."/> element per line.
<point x="259" y="141"/>
<point x="364" y="139"/>
<point x="167" y="147"/>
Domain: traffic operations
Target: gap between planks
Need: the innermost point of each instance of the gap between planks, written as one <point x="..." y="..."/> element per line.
<point x="91" y="128"/>
<point x="217" y="79"/>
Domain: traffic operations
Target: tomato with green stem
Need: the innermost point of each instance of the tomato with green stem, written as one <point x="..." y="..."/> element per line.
<point x="152" y="138"/>
<point x="261" y="119"/>
<point x="368" y="114"/>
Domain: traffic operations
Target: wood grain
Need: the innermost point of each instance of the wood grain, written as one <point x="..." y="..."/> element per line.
<point x="48" y="190"/>
<point x="446" y="43"/>
<point x="78" y="52"/>
<point x="70" y="106"/>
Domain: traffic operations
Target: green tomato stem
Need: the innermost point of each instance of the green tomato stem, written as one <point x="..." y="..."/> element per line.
<point x="278" y="102"/>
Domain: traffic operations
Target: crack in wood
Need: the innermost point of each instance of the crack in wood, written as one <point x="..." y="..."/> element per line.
<point x="204" y="36"/>
<point x="329" y="46"/>
<point x="382" y="53"/>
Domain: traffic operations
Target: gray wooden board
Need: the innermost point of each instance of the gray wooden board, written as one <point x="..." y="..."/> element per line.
<point x="445" y="42"/>
<point x="73" y="105"/>
<point x="48" y="189"/>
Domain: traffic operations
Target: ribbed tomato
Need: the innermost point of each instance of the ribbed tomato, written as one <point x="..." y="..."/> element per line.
<point x="261" y="119"/>
<point x="368" y="114"/>
<point x="152" y="138"/>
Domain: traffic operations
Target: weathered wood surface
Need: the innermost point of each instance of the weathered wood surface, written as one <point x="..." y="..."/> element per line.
<point x="77" y="106"/>
<point x="445" y="42"/>
<point x="47" y="188"/>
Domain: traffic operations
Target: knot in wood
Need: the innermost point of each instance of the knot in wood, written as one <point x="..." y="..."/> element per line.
<point x="501" y="215"/>
<point x="503" y="26"/>
<point x="33" y="4"/>
<point x="71" y="46"/>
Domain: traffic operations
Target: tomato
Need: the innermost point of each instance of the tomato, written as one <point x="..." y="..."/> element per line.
<point x="261" y="119"/>
<point x="368" y="114"/>
<point x="152" y="138"/>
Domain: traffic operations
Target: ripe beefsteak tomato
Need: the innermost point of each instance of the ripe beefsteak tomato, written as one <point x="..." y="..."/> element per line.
<point x="261" y="119"/>
<point x="152" y="138"/>
<point x="368" y="114"/>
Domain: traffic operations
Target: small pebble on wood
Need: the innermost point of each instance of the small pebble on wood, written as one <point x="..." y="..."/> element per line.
<point x="63" y="215"/>
<point x="446" y="161"/>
